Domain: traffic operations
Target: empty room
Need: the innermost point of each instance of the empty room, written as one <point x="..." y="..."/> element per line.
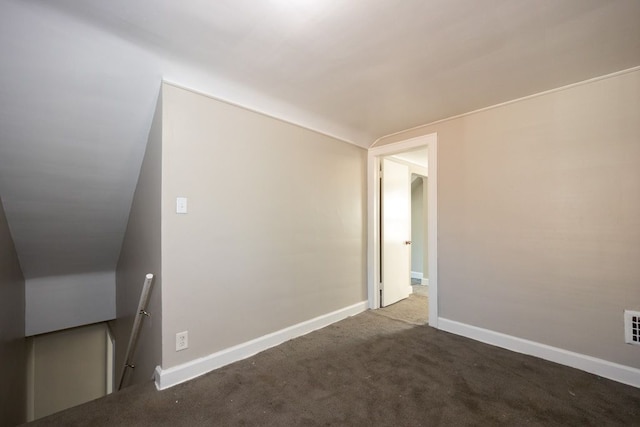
<point x="306" y="212"/>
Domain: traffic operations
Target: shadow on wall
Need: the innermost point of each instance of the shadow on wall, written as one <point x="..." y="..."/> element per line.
<point x="12" y="330"/>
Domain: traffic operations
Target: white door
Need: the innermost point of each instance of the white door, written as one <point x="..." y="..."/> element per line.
<point x="396" y="232"/>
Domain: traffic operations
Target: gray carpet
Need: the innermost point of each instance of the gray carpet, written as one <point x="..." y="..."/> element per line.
<point x="373" y="370"/>
<point x="420" y="290"/>
<point x="413" y="310"/>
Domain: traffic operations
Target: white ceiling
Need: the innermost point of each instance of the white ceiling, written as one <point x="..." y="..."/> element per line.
<point x="79" y="80"/>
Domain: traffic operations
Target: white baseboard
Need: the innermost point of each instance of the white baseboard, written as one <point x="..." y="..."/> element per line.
<point x="165" y="378"/>
<point x="613" y="371"/>
<point x="417" y="275"/>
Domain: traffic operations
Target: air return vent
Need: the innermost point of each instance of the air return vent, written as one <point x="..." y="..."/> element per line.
<point x="632" y="327"/>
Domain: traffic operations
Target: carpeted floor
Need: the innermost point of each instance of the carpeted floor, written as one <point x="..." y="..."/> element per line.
<point x="373" y="370"/>
<point x="413" y="310"/>
<point x="420" y="290"/>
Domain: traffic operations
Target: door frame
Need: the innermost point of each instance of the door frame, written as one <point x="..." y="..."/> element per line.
<point x="373" y="209"/>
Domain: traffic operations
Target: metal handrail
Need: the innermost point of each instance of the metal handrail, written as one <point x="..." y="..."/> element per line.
<point x="135" y="330"/>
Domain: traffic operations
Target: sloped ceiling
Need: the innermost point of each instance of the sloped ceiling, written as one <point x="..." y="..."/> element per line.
<point x="79" y="80"/>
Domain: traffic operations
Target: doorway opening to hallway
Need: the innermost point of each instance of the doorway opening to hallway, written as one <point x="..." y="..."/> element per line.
<point x="403" y="223"/>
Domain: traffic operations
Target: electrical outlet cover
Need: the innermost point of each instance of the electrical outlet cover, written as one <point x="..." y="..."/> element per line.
<point x="182" y="340"/>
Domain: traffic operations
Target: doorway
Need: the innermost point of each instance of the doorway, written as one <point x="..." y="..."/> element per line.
<point x="376" y="204"/>
<point x="419" y="233"/>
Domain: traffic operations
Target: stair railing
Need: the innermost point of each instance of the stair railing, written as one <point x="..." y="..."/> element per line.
<point x="135" y="330"/>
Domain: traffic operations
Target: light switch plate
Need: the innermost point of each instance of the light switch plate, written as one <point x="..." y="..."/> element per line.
<point x="181" y="205"/>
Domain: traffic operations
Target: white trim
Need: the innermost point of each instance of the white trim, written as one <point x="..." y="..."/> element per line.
<point x="373" y="194"/>
<point x="165" y="378"/>
<point x="110" y="376"/>
<point x="513" y="101"/>
<point x="424" y="281"/>
<point x="31" y="380"/>
<point x="613" y="371"/>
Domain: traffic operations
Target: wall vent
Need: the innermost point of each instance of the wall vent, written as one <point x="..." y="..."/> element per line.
<point x="632" y="327"/>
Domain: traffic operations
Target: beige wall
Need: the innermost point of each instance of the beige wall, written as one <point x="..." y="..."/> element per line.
<point x="539" y="217"/>
<point x="140" y="255"/>
<point x="275" y="233"/>
<point x="12" y="343"/>
<point x="69" y="368"/>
